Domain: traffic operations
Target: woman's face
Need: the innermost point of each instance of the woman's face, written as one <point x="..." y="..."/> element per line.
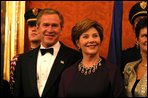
<point x="89" y="42"/>
<point x="143" y="39"/>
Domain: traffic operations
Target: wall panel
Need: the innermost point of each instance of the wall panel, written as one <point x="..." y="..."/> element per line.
<point x="74" y="11"/>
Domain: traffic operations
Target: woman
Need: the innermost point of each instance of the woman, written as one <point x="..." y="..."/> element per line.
<point x="91" y="76"/>
<point x="135" y="73"/>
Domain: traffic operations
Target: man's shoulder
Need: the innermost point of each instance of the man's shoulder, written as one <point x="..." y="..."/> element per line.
<point x="67" y="49"/>
<point x="70" y="52"/>
<point x="132" y="49"/>
<point x="30" y="52"/>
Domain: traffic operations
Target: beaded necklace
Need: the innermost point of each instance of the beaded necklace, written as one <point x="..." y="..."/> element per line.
<point x="88" y="70"/>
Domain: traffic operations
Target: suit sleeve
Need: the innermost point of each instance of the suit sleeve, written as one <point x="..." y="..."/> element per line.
<point x="18" y="80"/>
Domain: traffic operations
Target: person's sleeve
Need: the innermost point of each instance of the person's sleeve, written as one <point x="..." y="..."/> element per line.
<point x="17" y="79"/>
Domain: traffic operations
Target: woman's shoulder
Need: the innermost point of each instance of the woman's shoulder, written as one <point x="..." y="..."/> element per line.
<point x="131" y="65"/>
<point x="68" y="72"/>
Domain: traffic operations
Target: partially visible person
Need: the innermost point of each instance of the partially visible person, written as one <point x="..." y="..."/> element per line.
<point x="38" y="71"/>
<point x="5" y="89"/>
<point x="33" y="36"/>
<point x="135" y="73"/>
<point x="138" y="11"/>
<point x="91" y="76"/>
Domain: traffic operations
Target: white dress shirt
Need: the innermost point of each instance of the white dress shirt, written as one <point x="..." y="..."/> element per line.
<point x="44" y="65"/>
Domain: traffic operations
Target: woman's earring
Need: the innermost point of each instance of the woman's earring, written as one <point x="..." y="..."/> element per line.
<point x="78" y="47"/>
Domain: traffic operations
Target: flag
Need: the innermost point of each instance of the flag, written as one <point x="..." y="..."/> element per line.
<point x="115" y="45"/>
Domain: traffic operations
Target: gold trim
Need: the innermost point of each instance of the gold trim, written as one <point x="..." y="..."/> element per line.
<point x="141" y="12"/>
<point x="32" y="19"/>
<point x="14" y="33"/>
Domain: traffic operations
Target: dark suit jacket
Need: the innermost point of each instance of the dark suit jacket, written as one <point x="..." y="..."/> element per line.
<point x="26" y="74"/>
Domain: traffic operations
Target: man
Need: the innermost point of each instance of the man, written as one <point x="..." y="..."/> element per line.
<point x="138" y="11"/>
<point x="38" y="72"/>
<point x="33" y="36"/>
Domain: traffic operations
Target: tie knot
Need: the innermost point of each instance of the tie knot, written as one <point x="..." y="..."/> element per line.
<point x="43" y="51"/>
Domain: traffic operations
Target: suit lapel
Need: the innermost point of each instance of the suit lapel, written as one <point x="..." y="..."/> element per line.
<point x="32" y="66"/>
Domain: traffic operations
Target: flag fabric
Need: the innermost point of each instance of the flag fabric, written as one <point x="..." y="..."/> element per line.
<point x="115" y="45"/>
